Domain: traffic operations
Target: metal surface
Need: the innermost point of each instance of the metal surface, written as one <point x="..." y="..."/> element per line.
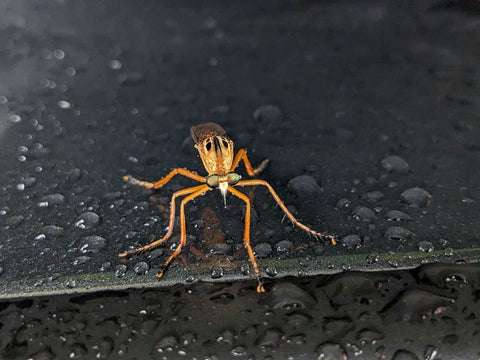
<point x="377" y="102"/>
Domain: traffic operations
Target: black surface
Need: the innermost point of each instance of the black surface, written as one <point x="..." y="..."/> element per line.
<point x="93" y="91"/>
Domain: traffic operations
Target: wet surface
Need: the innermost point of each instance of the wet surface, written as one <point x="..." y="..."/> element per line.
<point x="367" y="112"/>
<point x="429" y="313"/>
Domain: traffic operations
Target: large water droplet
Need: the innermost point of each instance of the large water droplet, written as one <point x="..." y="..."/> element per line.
<point x="87" y="220"/>
<point x="268" y="113"/>
<point x="51" y="200"/>
<point x="396" y="215"/>
<point x="288" y="296"/>
<point x="398" y="233"/>
<point x="416" y="197"/>
<point x="141" y="268"/>
<point x="351" y="242"/>
<point x="331" y="351"/>
<point x="262" y="250"/>
<point x="395" y="163"/>
<point x="364" y="214"/>
<point x="92" y="244"/>
<point x="120" y="270"/>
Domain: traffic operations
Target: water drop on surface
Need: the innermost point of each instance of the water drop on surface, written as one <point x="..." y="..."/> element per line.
<point x="404" y="355"/>
<point x="268" y="113"/>
<point x="395" y="163"/>
<point x="92" y="244"/>
<point x="351" y="242"/>
<point x="217" y="272"/>
<point x="416" y="197"/>
<point x="120" y="270"/>
<point x="87" y="220"/>
<point x="141" y="268"/>
<point x="284" y="246"/>
<point x="304" y="186"/>
<point x="262" y="250"/>
<point x="81" y="260"/>
<point x="398" y="233"/>
<point x="364" y="214"/>
<point x="331" y="351"/>
<point x="396" y="215"/>
<point x="425" y="246"/>
<point x="52" y="200"/>
<point x="63" y="104"/>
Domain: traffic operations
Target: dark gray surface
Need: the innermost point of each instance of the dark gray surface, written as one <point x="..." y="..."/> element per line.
<point x="91" y="92"/>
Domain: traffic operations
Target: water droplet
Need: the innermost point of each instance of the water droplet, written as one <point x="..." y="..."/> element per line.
<point x="288" y="296"/>
<point x="141" y="268"/>
<point x="393" y="263"/>
<point x="343" y="203"/>
<point x="268" y="113"/>
<point x="221" y="249"/>
<point x="87" y="220"/>
<point x="239" y="351"/>
<point x="304" y="186"/>
<point x="81" y="260"/>
<point x="262" y="250"/>
<point x="51" y="200"/>
<point x="271" y="271"/>
<point x="14" y="118"/>
<point x="105" y="266"/>
<point x="431" y="353"/>
<point x="115" y="64"/>
<point x="369" y="336"/>
<point x="331" y="350"/>
<point x="416" y="197"/>
<point x="398" y="233"/>
<point x="364" y="214"/>
<point x="227" y="337"/>
<point x="64" y="104"/>
<point x="396" y="164"/>
<point x="167" y="343"/>
<point x="59" y="54"/>
<point x="425" y="246"/>
<point x="270" y="339"/>
<point x="284" y="246"/>
<point x="404" y="355"/>
<point x="396" y="215"/>
<point x="92" y="244"/>
<point x="352" y="242"/>
<point x="120" y="270"/>
<point x="217" y="272"/>
<point x="50" y="232"/>
<point x="372" y="196"/>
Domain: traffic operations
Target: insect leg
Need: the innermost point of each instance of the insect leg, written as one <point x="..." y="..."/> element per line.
<point x="156" y="185"/>
<point x="200" y="190"/>
<point x="242" y="155"/>
<point x="279" y="201"/>
<point x="246" y="236"/>
<point x="154" y="244"/>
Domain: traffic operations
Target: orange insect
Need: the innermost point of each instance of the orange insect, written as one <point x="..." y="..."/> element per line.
<point x="216" y="151"/>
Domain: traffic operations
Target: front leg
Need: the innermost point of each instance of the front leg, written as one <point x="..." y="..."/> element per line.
<point x="149" y="185"/>
<point x="242" y="155"/>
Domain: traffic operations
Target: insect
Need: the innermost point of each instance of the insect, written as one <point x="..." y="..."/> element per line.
<point x="216" y="151"/>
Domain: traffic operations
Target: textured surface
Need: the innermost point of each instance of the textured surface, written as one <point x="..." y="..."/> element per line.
<point x="430" y="313"/>
<point x="375" y="102"/>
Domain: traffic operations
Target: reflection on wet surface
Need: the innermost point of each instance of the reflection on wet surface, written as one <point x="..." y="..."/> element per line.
<point x="429" y="313"/>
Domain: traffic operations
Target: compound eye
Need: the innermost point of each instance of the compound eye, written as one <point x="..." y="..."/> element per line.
<point x="213" y="181"/>
<point x="208" y="144"/>
<point x="233" y="178"/>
